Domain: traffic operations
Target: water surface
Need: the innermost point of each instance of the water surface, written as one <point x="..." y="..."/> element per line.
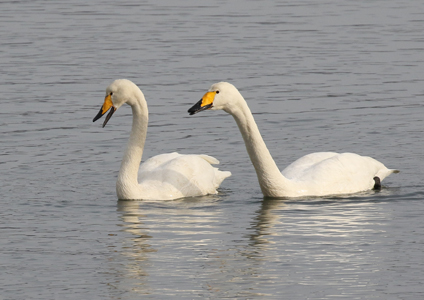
<point x="330" y="76"/>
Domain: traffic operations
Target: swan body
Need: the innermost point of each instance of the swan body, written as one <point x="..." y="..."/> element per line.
<point x="315" y="174"/>
<point x="162" y="177"/>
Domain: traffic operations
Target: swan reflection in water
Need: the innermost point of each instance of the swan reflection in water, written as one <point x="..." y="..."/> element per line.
<point x="162" y="237"/>
<point x="197" y="245"/>
<point x="193" y="242"/>
<point x="130" y="266"/>
<point x="310" y="242"/>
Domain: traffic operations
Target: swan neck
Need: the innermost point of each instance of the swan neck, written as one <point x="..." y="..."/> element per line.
<point x="271" y="181"/>
<point x="127" y="183"/>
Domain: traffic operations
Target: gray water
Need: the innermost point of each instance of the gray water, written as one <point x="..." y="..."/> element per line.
<point x="342" y="76"/>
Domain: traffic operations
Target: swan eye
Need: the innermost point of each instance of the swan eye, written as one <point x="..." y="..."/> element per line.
<point x="111" y="93"/>
<point x="217" y="92"/>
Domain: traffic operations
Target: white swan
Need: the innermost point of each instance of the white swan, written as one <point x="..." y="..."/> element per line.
<point x="316" y="174"/>
<point x="162" y="177"/>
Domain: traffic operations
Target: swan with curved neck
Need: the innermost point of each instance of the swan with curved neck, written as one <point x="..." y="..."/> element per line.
<point x="162" y="177"/>
<point x="316" y="174"/>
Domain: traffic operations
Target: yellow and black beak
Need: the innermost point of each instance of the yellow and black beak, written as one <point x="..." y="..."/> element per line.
<point x="106" y="106"/>
<point x="205" y="103"/>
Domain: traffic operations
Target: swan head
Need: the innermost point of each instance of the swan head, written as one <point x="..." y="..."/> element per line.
<point x="221" y="95"/>
<point x="117" y="93"/>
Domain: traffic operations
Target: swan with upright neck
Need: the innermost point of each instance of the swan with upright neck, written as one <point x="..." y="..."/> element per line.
<point x="315" y="174"/>
<point x="162" y="177"/>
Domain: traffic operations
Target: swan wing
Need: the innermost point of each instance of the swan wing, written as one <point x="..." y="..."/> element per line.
<point x="155" y="162"/>
<point x="303" y="164"/>
<point x="175" y="175"/>
<point x="333" y="173"/>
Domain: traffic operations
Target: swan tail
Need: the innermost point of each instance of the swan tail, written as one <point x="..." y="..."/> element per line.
<point x="220" y="177"/>
<point x="222" y="174"/>
<point x="386" y="172"/>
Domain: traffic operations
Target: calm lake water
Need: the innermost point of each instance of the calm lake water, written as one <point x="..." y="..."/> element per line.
<point x="342" y="76"/>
